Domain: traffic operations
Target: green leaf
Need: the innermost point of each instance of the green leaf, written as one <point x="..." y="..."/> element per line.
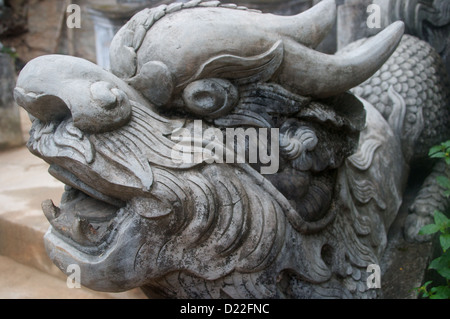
<point x="440" y="292"/>
<point x="429" y="229"/>
<point x="425" y="294"/>
<point x="441" y="265"/>
<point x="435" y="149"/>
<point x="445" y="272"/>
<point x="443" y="181"/>
<point x="438" y="155"/>
<point x="447" y="192"/>
<point x="441" y="220"/>
<point x="423" y="290"/>
<point x="445" y="241"/>
<point x="8" y="50"/>
<point x="447" y="160"/>
<point x="446" y="144"/>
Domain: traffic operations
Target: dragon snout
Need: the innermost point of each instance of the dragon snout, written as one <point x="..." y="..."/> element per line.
<point x="96" y="103"/>
<point x="46" y="108"/>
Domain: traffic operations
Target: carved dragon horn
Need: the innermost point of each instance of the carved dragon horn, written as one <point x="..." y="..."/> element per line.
<point x="312" y="73"/>
<point x="302" y="69"/>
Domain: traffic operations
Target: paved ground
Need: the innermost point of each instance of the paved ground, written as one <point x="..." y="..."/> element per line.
<point x="18" y="281"/>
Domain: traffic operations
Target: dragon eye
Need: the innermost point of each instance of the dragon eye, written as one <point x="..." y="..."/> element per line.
<point x="210" y="98"/>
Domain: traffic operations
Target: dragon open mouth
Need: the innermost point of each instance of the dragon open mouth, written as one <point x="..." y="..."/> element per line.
<point x="85" y="216"/>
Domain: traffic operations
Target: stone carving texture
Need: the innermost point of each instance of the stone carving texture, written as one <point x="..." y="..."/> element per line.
<point x="417" y="73"/>
<point x="132" y="216"/>
<point x="428" y="20"/>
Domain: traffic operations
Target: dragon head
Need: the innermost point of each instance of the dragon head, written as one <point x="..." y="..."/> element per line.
<point x="135" y="215"/>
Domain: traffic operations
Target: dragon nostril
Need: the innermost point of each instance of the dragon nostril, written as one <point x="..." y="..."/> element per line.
<point x="95" y="100"/>
<point x="120" y="95"/>
<point x="45" y="107"/>
<point x="102" y="93"/>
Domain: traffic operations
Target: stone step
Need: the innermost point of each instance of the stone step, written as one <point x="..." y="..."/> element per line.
<point x="24" y="184"/>
<point x="18" y="281"/>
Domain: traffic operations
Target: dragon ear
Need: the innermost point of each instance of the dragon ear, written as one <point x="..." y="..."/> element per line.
<point x="242" y="70"/>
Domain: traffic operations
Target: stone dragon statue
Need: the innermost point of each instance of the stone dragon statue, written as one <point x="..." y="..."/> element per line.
<point x="131" y="216"/>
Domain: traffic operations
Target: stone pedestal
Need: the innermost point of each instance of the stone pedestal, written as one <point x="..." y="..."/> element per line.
<point x="10" y="130"/>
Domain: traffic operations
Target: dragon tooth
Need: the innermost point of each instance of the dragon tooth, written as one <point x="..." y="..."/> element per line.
<point x="51" y="211"/>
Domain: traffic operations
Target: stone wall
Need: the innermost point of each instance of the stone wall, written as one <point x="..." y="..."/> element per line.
<point x="10" y="128"/>
<point x="45" y="30"/>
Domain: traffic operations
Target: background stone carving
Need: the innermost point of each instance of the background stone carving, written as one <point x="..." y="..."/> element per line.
<point x="429" y="20"/>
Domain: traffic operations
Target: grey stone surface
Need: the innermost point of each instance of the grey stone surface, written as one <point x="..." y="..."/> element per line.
<point x="418" y="74"/>
<point x="279" y="7"/>
<point x="428" y="20"/>
<point x="135" y="215"/>
<point x="404" y="263"/>
<point x="10" y="129"/>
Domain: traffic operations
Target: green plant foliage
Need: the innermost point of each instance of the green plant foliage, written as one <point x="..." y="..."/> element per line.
<point x="440" y="226"/>
<point x="10" y="51"/>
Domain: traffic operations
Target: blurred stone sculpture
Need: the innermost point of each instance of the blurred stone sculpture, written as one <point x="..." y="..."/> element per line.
<point x="200" y="226"/>
<point x="417" y="74"/>
<point x="428" y="20"/>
